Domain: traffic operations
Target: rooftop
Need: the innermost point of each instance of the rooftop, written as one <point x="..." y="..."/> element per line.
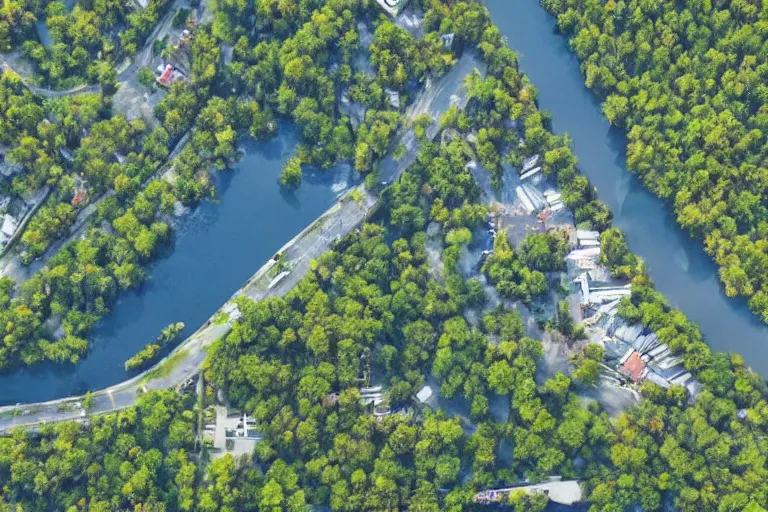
<point x="393" y="7"/>
<point x="633" y="366"/>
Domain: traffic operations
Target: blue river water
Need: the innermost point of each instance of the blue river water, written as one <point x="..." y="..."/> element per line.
<point x="680" y="268"/>
<point x="217" y="248"/>
<point x="220" y="245"/>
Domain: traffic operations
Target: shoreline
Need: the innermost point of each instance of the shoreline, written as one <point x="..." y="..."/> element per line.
<point x="350" y="211"/>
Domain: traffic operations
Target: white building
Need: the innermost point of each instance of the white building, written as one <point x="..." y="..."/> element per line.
<point x="9" y="225"/>
<point x="393" y="7"/>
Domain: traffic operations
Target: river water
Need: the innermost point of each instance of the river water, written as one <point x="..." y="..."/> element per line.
<point x="220" y="245"/>
<point x="217" y="248"/>
<point x="678" y="264"/>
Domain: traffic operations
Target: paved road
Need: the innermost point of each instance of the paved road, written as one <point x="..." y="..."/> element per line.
<point x="131" y="66"/>
<point x="144" y="56"/>
<point x="434" y="99"/>
<point x="10" y="262"/>
<point x="343" y="217"/>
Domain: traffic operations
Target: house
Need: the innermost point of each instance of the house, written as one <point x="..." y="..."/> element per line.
<point x="81" y="196"/>
<point x="165" y="76"/>
<point x="393" y="7"/>
<point x="424" y="394"/>
<point x="9" y="225"/>
<point x="168" y="75"/>
<point x="633" y="366"/>
<point x="394" y="97"/>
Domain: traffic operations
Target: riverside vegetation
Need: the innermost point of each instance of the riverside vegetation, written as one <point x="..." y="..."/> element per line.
<point x="295" y="69"/>
<point x="374" y="291"/>
<point x="148" y="355"/>
<point x="687" y="81"/>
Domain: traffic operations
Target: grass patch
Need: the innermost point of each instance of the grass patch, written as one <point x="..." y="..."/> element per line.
<point x="67" y="406"/>
<point x="357" y="196"/>
<point x="399" y="152"/>
<point x="221" y="318"/>
<point x="166" y="367"/>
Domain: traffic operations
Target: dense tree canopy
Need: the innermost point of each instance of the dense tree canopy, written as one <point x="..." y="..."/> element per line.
<point x="371" y="306"/>
<point x="687" y="80"/>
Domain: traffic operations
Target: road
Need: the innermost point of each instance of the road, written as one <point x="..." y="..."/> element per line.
<point x="10" y="260"/>
<point x="317" y="238"/>
<point x="144" y="56"/>
<point x="434" y="99"/>
<point x="131" y="66"/>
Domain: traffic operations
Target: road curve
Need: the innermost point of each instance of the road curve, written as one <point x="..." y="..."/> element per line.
<point x="347" y="214"/>
<point x="130" y="68"/>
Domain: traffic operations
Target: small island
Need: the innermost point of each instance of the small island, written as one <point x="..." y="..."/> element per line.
<point x="149" y="353"/>
<point x="170" y="333"/>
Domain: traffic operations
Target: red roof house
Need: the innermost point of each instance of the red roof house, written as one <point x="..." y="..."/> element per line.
<point x="633" y="367"/>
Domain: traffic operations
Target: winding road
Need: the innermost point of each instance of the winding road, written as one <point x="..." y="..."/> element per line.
<point x="126" y="72"/>
<point x="10" y="261"/>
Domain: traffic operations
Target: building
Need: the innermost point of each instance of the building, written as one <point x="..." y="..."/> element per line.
<point x="394" y="98"/>
<point x="632" y="365"/>
<point x="9" y="225"/>
<point x="234" y="433"/>
<point x="393" y="7"/>
<point x="7" y="168"/>
<point x="81" y="196"/>
<point x="424" y="394"/>
<point x="168" y="75"/>
<point x="635" y="354"/>
<point x="165" y="76"/>
<point x="564" y="492"/>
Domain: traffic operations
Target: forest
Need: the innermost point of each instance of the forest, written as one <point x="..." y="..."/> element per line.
<point x="687" y="82"/>
<point x="376" y="298"/>
<point x="88" y="38"/>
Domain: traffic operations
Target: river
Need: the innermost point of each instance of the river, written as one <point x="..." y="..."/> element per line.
<point x="681" y="269"/>
<point x="220" y="245"/>
<point x="216" y="249"/>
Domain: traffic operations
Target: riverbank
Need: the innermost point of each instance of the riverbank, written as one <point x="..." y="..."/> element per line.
<point x="183" y="362"/>
<point x="178" y="367"/>
<point x="678" y="265"/>
<point x="10" y="258"/>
